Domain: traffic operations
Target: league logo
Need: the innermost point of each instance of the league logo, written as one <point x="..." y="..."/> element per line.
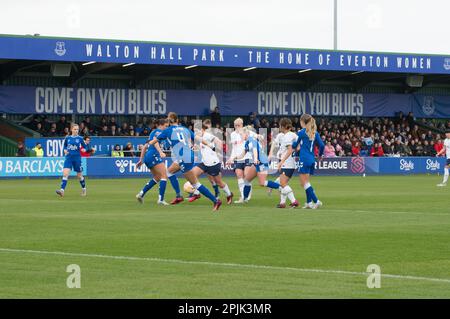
<point x="60" y="49"/>
<point x="121" y="164"/>
<point x="447" y="64"/>
<point x="428" y="105"/>
<point x="357" y="165"/>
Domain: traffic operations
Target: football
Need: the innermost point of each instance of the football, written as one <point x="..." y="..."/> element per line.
<point x="187" y="187"/>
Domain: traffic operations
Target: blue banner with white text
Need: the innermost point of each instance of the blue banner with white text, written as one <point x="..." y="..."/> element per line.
<point x="54" y="146"/>
<point x="99" y="101"/>
<point x="83" y="50"/>
<point x="127" y="167"/>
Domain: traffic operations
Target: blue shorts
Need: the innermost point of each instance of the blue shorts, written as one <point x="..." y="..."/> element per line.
<point x="152" y="160"/>
<point x="262" y="167"/>
<point x="211" y="170"/>
<point x="287" y="172"/>
<point x="448" y="162"/>
<point x="307" y="167"/>
<point x="74" y="164"/>
<point x="185" y="167"/>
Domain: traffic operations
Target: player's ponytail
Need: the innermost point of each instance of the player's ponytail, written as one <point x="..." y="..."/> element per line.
<point x="172" y="117"/>
<point x="310" y="125"/>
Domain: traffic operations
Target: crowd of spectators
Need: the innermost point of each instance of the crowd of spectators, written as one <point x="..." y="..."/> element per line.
<point x="353" y="136"/>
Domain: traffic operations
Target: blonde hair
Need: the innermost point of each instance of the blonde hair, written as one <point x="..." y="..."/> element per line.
<point x="310" y="125"/>
<point x="238" y="121"/>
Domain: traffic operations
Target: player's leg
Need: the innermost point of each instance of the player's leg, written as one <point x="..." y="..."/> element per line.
<point x="239" y="171"/>
<point x="214" y="185"/>
<point x="219" y="181"/>
<point x="262" y="172"/>
<point x="286" y="190"/>
<point x="171" y="171"/>
<point x="197" y="171"/>
<point x="249" y="175"/>
<point x="66" y="173"/>
<point x="151" y="162"/>
<point x="77" y="168"/>
<point x="446" y="173"/>
<point x="161" y="168"/>
<point x="192" y="178"/>
<point x="311" y="198"/>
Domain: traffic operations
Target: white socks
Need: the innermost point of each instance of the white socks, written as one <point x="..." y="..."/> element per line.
<point x="287" y="192"/>
<point x="445" y="175"/>
<point x="241" y="184"/>
<point x="226" y="190"/>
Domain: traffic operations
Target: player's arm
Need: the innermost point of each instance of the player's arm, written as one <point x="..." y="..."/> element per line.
<point x="65" y="147"/>
<point x="319" y="141"/>
<point x="441" y="152"/>
<point x="143" y="151"/>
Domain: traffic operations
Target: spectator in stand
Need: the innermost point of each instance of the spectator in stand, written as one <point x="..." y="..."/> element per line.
<point x="406" y="150"/>
<point x="52" y="132"/>
<point x="254" y="121"/>
<point x="216" y="119"/>
<point x="348" y="149"/>
<point x="428" y="149"/>
<point x="439" y="145"/>
<point x="83" y="152"/>
<point x="112" y="122"/>
<point x="329" y="151"/>
<point x="66" y="131"/>
<point x="117" y="152"/>
<point x="104" y="131"/>
<point x="413" y="147"/>
<point x="419" y="149"/>
<point x="139" y="129"/>
<point x="40" y="129"/>
<point x="21" y="151"/>
<point x="113" y="131"/>
<point x="61" y="125"/>
<point x="129" y="150"/>
<point x="87" y="123"/>
<point x="124" y="129"/>
<point x="38" y="151"/>
<point x="356" y="149"/>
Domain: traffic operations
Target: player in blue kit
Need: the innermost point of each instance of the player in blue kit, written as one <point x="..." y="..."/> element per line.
<point x="307" y="137"/>
<point x="72" y="146"/>
<point x="152" y="156"/>
<point x="181" y="140"/>
<point x="258" y="165"/>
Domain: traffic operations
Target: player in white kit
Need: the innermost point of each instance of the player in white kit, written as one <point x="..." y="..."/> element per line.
<point x="445" y="151"/>
<point x="210" y="162"/>
<point x="285" y="139"/>
<point x="237" y="148"/>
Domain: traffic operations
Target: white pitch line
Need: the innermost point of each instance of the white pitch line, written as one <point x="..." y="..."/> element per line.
<point x="209" y="263"/>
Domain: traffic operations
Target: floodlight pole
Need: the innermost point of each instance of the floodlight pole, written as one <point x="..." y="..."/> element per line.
<point x="335" y="25"/>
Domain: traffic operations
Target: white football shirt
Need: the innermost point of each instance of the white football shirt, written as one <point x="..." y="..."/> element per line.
<point x="209" y="156"/>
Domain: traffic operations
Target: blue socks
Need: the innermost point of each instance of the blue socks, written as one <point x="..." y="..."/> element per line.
<point x="216" y="190"/>
<point x="176" y="186"/>
<point x="247" y="189"/>
<point x="202" y="189"/>
<point x="149" y="186"/>
<point x="162" y="189"/>
<point x="271" y="184"/>
<point x="310" y="195"/>
<point x="82" y="182"/>
<point x="64" y="183"/>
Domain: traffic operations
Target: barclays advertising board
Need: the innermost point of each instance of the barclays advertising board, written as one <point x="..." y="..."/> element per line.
<point x="34" y="166"/>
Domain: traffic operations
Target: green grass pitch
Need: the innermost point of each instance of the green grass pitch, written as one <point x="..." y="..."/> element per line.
<point x="128" y="250"/>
